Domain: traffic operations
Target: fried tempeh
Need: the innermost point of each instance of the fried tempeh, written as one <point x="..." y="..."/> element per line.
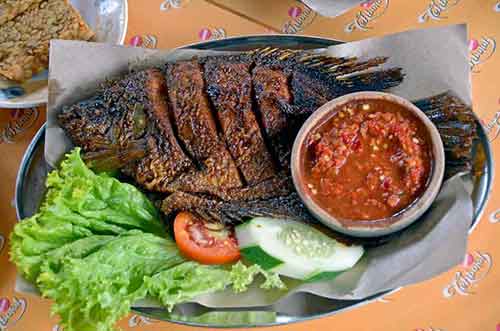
<point x="11" y="8"/>
<point x="26" y="32"/>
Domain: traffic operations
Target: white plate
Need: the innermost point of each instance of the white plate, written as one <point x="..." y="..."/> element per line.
<point x="107" y="18"/>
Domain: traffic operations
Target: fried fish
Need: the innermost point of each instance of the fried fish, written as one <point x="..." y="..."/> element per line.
<point x="214" y="134"/>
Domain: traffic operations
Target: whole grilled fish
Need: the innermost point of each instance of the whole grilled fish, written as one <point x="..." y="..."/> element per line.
<point x="216" y="133"/>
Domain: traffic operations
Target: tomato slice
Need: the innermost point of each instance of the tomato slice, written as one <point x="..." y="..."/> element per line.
<point x="204" y="242"/>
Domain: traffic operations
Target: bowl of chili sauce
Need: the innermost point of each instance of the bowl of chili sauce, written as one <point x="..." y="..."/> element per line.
<point x="368" y="163"/>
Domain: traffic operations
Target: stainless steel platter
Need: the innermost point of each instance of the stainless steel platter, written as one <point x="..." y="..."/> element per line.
<point x="107" y="18"/>
<point x="34" y="169"/>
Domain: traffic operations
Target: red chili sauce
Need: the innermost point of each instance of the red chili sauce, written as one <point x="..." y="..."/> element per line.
<point x="369" y="161"/>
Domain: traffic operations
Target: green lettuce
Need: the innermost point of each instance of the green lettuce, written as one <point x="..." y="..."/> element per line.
<point x="79" y="204"/>
<point x="30" y="265"/>
<point x="93" y="293"/>
<point x="97" y="245"/>
<point x="97" y="200"/>
<point x="229" y="318"/>
<point x="190" y="279"/>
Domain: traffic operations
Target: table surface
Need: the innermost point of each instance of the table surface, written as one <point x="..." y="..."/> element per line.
<point x="465" y="298"/>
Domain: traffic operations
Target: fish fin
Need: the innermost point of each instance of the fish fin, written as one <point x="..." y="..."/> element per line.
<point x="457" y="127"/>
<point x="331" y="66"/>
<point x="446" y="107"/>
<point x="113" y="158"/>
<point x="372" y="81"/>
<point x="234" y="212"/>
<point x="279" y="54"/>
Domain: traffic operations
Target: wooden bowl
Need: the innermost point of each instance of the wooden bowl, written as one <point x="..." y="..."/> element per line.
<point x="378" y="227"/>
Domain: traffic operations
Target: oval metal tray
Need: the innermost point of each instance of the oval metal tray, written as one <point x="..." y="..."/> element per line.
<point x="33" y="171"/>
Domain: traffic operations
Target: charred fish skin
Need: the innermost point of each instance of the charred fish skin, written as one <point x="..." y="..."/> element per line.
<point x="110" y="130"/>
<point x="313" y="88"/>
<point x="280" y="185"/>
<point x="457" y="127"/>
<point x="277" y="186"/>
<point x="89" y="123"/>
<point x="165" y="159"/>
<point x="189" y="104"/>
<point x="133" y="113"/>
<point x="217" y="175"/>
<point x="317" y="78"/>
<point x="271" y="92"/>
<point x="236" y="212"/>
<point x="197" y="129"/>
<point x="229" y="86"/>
<point x="309" y="83"/>
<point x="273" y="97"/>
<point x="290" y="85"/>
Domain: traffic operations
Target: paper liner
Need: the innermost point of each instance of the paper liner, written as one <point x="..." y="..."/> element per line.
<point x="433" y="60"/>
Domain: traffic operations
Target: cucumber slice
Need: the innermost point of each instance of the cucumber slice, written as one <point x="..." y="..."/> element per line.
<point x="294" y="249"/>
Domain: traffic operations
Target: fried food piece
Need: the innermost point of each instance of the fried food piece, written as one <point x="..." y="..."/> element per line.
<point x="457" y="127"/>
<point x="197" y="129"/>
<point x="229" y="85"/>
<point x="127" y="126"/>
<point x="235" y="212"/>
<point x="11" y="8"/>
<point x="273" y="96"/>
<point x="24" y="39"/>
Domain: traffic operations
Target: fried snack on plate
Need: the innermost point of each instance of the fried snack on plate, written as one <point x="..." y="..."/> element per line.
<point x="24" y="39"/>
<point x="11" y="8"/>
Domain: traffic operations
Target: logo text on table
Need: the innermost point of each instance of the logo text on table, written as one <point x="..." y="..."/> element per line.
<point x="435" y="10"/>
<point x="477" y="267"/>
<point x="11" y="312"/>
<point x="173" y="4"/>
<point x="370" y="10"/>
<point x="20" y="121"/>
<point x="495" y="216"/>
<point x="300" y="18"/>
<point x="145" y="41"/>
<point x="493" y="131"/>
<point x="137" y="320"/>
<point x="481" y="51"/>
<point x="212" y="34"/>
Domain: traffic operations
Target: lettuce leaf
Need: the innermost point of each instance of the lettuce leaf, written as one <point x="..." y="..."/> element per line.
<point x="188" y="280"/>
<point x="96" y="246"/>
<point x="30" y="265"/>
<point x="242" y="276"/>
<point x="79" y="204"/>
<point x="229" y="318"/>
<point x="75" y="190"/>
<point x="93" y="293"/>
